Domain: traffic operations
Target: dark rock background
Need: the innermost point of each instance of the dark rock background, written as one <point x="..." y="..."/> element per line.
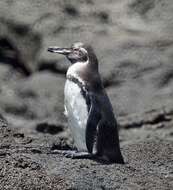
<point x="133" y="40"/>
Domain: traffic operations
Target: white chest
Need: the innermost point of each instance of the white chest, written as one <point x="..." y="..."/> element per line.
<point x="77" y="113"/>
<point x="75" y="68"/>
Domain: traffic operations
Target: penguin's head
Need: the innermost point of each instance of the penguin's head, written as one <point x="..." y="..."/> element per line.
<point x="76" y="53"/>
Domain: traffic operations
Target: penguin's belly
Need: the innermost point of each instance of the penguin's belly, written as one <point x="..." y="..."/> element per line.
<point x="77" y="113"/>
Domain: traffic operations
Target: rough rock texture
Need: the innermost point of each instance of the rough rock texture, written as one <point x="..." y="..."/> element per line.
<point x="133" y="40"/>
<point x="31" y="162"/>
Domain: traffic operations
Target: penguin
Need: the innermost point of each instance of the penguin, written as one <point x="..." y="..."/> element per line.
<point x="89" y="111"/>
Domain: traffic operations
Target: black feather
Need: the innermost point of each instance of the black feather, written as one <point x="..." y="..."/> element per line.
<point x="92" y="122"/>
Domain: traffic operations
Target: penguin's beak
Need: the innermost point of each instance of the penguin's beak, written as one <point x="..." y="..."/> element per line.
<point x="64" y="51"/>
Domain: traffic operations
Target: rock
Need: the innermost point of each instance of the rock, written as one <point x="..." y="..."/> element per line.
<point x="148" y="165"/>
<point x="134" y="49"/>
<point x="49" y="128"/>
<point x="43" y="94"/>
<point x="19" y="45"/>
<point x="58" y="67"/>
<point x="3" y="121"/>
<point x="10" y="55"/>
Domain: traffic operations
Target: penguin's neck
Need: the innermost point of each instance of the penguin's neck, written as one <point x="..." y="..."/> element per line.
<point x="76" y="70"/>
<point x="86" y="75"/>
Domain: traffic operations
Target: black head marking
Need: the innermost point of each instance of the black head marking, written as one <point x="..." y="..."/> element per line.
<point x="78" y="53"/>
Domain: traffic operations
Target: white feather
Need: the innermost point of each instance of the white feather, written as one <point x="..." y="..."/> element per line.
<point x="77" y="113"/>
<point x="73" y="70"/>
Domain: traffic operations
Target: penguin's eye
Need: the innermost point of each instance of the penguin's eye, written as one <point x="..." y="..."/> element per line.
<point x="78" y="52"/>
<point x="75" y="49"/>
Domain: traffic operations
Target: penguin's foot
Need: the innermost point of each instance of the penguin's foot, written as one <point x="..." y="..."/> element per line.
<point x="86" y="155"/>
<point x="79" y="155"/>
<point x="74" y="154"/>
<point x="65" y="153"/>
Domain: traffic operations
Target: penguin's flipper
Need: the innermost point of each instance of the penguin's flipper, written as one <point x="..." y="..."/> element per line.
<point x="92" y="122"/>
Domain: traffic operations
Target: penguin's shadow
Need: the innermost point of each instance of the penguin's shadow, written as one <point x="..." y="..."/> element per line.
<point x="100" y="161"/>
<point x="74" y="155"/>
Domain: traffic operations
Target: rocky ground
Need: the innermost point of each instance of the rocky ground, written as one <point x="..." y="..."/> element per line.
<point x="134" y="43"/>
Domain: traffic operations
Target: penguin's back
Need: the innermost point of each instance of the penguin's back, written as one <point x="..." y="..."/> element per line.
<point x="77" y="113"/>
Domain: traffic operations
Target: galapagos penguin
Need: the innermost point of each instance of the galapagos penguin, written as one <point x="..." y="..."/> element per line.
<point x="89" y="111"/>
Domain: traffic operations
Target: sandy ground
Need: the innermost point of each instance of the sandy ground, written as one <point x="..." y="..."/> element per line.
<point x="133" y="40"/>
